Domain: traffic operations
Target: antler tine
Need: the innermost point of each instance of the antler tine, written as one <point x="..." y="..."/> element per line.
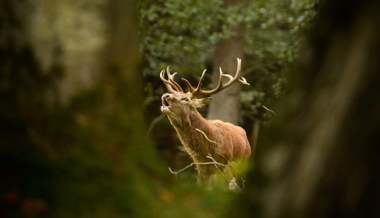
<point x="175" y="83"/>
<point x="232" y="79"/>
<point x="172" y="81"/>
<point x="201" y="80"/>
<point x="189" y="86"/>
<point x="169" y="85"/>
<point x="220" y="86"/>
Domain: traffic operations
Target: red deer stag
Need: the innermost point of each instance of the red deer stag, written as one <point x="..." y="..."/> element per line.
<point x="203" y="139"/>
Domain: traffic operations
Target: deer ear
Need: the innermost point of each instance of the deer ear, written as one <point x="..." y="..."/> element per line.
<point x="200" y="102"/>
<point x="206" y="100"/>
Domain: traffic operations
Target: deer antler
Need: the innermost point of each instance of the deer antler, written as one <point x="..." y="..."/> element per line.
<point x="198" y="92"/>
<point x="170" y="83"/>
<point x="195" y="89"/>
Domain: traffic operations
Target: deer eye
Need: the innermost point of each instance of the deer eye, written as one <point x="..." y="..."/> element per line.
<point x="185" y="99"/>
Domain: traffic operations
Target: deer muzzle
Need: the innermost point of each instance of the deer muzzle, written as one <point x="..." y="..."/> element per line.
<point x="165" y="100"/>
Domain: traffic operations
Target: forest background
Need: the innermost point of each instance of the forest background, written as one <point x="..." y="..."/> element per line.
<point x="82" y="134"/>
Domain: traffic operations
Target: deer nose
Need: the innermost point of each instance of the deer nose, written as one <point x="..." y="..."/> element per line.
<point x="166" y="96"/>
<point x="164" y="99"/>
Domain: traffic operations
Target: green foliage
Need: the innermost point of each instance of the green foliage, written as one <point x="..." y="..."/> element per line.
<point x="273" y="28"/>
<point x="273" y="36"/>
<point x="183" y="34"/>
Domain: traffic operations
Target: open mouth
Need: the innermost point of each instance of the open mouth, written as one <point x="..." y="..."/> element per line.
<point x="165" y="107"/>
<point x="165" y="102"/>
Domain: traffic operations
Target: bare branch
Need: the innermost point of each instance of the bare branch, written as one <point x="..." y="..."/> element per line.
<point x="266" y="108"/>
<point x="216" y="165"/>
<point x="206" y="137"/>
<point x="195" y="163"/>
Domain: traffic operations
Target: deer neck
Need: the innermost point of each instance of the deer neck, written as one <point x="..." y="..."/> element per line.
<point x="193" y="141"/>
<point x="190" y="138"/>
<point x="188" y="123"/>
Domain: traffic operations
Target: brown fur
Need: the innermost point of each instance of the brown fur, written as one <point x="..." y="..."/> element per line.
<point x="203" y="138"/>
<point x="231" y="140"/>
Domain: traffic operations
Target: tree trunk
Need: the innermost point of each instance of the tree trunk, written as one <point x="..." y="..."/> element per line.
<point x="254" y="136"/>
<point x="226" y="104"/>
<point x="64" y="31"/>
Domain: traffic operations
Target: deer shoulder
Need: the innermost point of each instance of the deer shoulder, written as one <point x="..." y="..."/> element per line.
<point x="232" y="140"/>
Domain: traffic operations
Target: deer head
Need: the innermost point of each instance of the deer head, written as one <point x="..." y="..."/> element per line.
<point x="177" y="103"/>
